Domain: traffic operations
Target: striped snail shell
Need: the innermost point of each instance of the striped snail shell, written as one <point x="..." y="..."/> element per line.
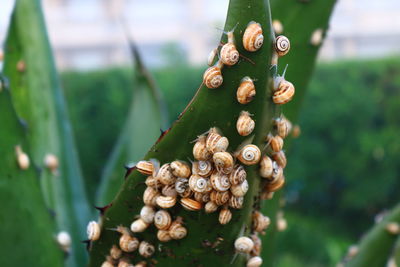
<point x="241" y="189"/>
<point x="162" y="219"/>
<point x="147" y="214"/>
<point x="165" y="176"/>
<point x="236" y="202"/>
<point x="220" y="182"/>
<point x="253" y="38"/>
<point x="177" y="231"/>
<point x="191" y="204"/>
<point x="256" y="251"/>
<point x="238" y="175"/>
<point x="282" y="45"/>
<point x="266" y="167"/>
<point x="202" y="168"/>
<point x="246" y="91"/>
<point x="163" y="235"/>
<point x="181" y="185"/>
<point x="210" y="207"/>
<point x="93" y="231"/>
<point x="146" y="249"/>
<point x="202" y="198"/>
<point x="260" y="222"/>
<point x="244" y="244"/>
<point x="215" y="142"/>
<point x="211" y="56"/>
<point x="128" y="243"/>
<point x="115" y="252"/>
<point x="280" y="158"/>
<point x="254" y="262"/>
<point x="275" y="142"/>
<point x="150" y="195"/>
<point x="229" y="54"/>
<point x="145" y="167"/>
<point x="219" y="198"/>
<point x="139" y="226"/>
<point x="223" y="161"/>
<point x="284" y="93"/>
<point x="225" y="216"/>
<point x="166" y="202"/>
<point x="187" y="193"/>
<point x="275" y="185"/>
<point x="180" y="169"/>
<point x="200" y="151"/>
<point x="169" y="190"/>
<point x="212" y="77"/>
<point x="249" y="155"/>
<point x="199" y="184"/>
<point x="277" y="172"/>
<point x="283" y="126"/>
<point x="317" y="37"/>
<point x="245" y="124"/>
<point x="152" y="182"/>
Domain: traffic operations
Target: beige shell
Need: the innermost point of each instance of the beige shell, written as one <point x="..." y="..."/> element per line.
<point x="260" y="222"/>
<point x="210" y="207"/>
<point x="93" y="231"/>
<point x="254" y="262"/>
<point x="240" y="190"/>
<point x="162" y="220"/>
<point x="165" y="176"/>
<point x="225" y="216"/>
<point x="22" y="158"/>
<point x="215" y="142"/>
<point x="139" y="226"/>
<point x="280" y="158"/>
<point x="212" y="77"/>
<point x="275" y="185"/>
<point x="253" y="38"/>
<point x="284" y="93"/>
<point x="211" y="56"/>
<point x="236" y="202"/>
<point x="107" y="263"/>
<point x="163" y="235"/>
<point x="283" y="126"/>
<point x="180" y="169"/>
<point x="275" y="142"/>
<point x="317" y="37"/>
<point x="128" y="243"/>
<point x="249" y="155"/>
<point x="147" y="214"/>
<point x="200" y="197"/>
<point x="393" y="228"/>
<point x="266" y="167"/>
<point x="220" y="182"/>
<point x="296" y="131"/>
<point x="277" y="172"/>
<point x="169" y="190"/>
<point x="282" y="45"/>
<point x="220" y="198"/>
<point x="199" y="184"/>
<point x="64" y="240"/>
<point x="191" y="204"/>
<point x="245" y="124"/>
<point x="256" y="251"/>
<point x="152" y="182"/>
<point x="277" y="26"/>
<point x="281" y="224"/>
<point x="202" y="168"/>
<point x="145" y="167"/>
<point x="229" y="54"/>
<point x="246" y="91"/>
<point x="115" y="252"/>
<point x="146" y="249"/>
<point x="200" y="151"/>
<point x="124" y="263"/>
<point x="244" y="244"/>
<point x="223" y="162"/>
<point x="166" y="202"/>
<point x="238" y="175"/>
<point x="51" y="162"/>
<point x="181" y="185"/>
<point x="150" y="196"/>
<point x="187" y="193"/>
<point x="177" y="231"/>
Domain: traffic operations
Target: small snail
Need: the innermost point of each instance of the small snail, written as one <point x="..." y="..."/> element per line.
<point x="108" y="263"/>
<point x="169" y="190"/>
<point x="145" y="167"/>
<point x="245" y="124"/>
<point x="296" y="131"/>
<point x="393" y="228"/>
<point x="220" y="182"/>
<point x="219" y="198"/>
<point x="202" y="168"/>
<point x="283" y="126"/>
<point x="281" y="223"/>
<point x="215" y="142"/>
<point x="275" y="185"/>
<point x="211" y="56"/>
<point x="229" y="53"/>
<point x="150" y="196"/>
<point x="241" y="189"/>
<point x="256" y="251"/>
<point x="277" y="172"/>
<point x="275" y="142"/>
<point x="191" y="204"/>
<point x="147" y="214"/>
<point x="139" y="226"/>
<point x="202" y="197"/>
<point x="115" y="252"/>
<point x="246" y="91"/>
<point x="165" y="176"/>
<point x="177" y="231"/>
<point x="64" y="240"/>
<point x="249" y="155"/>
<point x="238" y="175"/>
<point x="141" y="264"/>
<point x="254" y="262"/>
<point x="163" y="235"/>
<point x="266" y="167"/>
<point x="282" y="45"/>
<point x="181" y="185"/>
<point x="212" y="77"/>
<point x="223" y="162"/>
<point x="236" y="202"/>
<point x="210" y="207"/>
<point x="199" y="184"/>
<point x="146" y="249"/>
<point x="166" y="202"/>
<point x="284" y="90"/>
<point x="152" y="182"/>
<point x="180" y="169"/>
<point x="277" y="26"/>
<point x="317" y="37"/>
<point x="127" y="242"/>
<point x="280" y="158"/>
<point x="22" y="158"/>
<point x="253" y="38"/>
<point x="244" y="244"/>
<point x="124" y="262"/>
<point x="93" y="231"/>
<point x="162" y="220"/>
<point x="260" y="222"/>
<point x="200" y="151"/>
<point x="51" y="162"/>
<point x="225" y="216"/>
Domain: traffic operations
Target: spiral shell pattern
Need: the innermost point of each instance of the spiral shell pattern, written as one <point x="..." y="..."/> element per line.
<point x="282" y="45"/>
<point x="246" y="91"/>
<point x="212" y="77"/>
<point x="191" y="204"/>
<point x="225" y="216"/>
<point x="238" y="175"/>
<point x="284" y="93"/>
<point x="253" y="38"/>
<point x="241" y="189"/>
<point x="244" y="244"/>
<point x="223" y="162"/>
<point x="249" y="155"/>
<point x="245" y="124"/>
<point x="220" y="182"/>
<point x="162" y="219"/>
<point x="146" y="249"/>
<point x="229" y="54"/>
<point x="220" y="198"/>
<point x="202" y="168"/>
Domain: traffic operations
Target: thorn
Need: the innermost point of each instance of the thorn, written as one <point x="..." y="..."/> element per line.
<point x="129" y="169"/>
<point x="163" y="133"/>
<point x="88" y="244"/>
<point x="103" y="209"/>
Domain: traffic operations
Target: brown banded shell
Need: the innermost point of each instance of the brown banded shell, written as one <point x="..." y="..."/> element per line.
<point x="283" y="126"/>
<point x="229" y="54"/>
<point x="223" y="162"/>
<point x="180" y="169"/>
<point x="246" y="91"/>
<point x="211" y="56"/>
<point x="162" y="220"/>
<point x="199" y="184"/>
<point x="249" y="155"/>
<point x="256" y="251"/>
<point x="181" y="185"/>
<point x="393" y="228"/>
<point x="282" y="45"/>
<point x="146" y="249"/>
<point x="152" y="182"/>
<point x="165" y="176"/>
<point x="253" y="38"/>
<point x="240" y="190"/>
<point x="191" y="204"/>
<point x="139" y="226"/>
<point x="245" y="124"/>
<point x="177" y="231"/>
<point x="284" y="93"/>
<point x="145" y="167"/>
<point x="202" y="168"/>
<point x="163" y="235"/>
<point x="238" y="175"/>
<point x="166" y="202"/>
<point x="220" y="182"/>
<point x="244" y="244"/>
<point x="225" y="216"/>
<point x="200" y="151"/>
<point x="149" y="196"/>
<point x="215" y="142"/>
<point x="115" y="252"/>
<point x="93" y="231"/>
<point x="260" y="222"/>
<point x="169" y="190"/>
<point x="254" y="262"/>
<point x="280" y="158"/>
<point x="220" y="198"/>
<point x="212" y="77"/>
<point x="266" y="167"/>
<point x="236" y="202"/>
<point x="275" y="142"/>
<point x="200" y="197"/>
<point x="277" y="172"/>
<point x="128" y="243"/>
<point x="147" y="214"/>
<point x="187" y="193"/>
<point x="276" y="185"/>
<point x="210" y="207"/>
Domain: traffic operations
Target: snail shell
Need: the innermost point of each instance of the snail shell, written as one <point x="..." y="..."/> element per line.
<point x="254" y="262"/>
<point x="212" y="77"/>
<point x="166" y="202"/>
<point x="296" y="131"/>
<point x="277" y="172"/>
<point x="246" y="91"/>
<point x="220" y="182"/>
<point x="51" y="162"/>
<point x="187" y="193"/>
<point x="236" y="202"/>
<point x="202" y="198"/>
<point x="240" y="190"/>
<point x="238" y="175"/>
<point x="225" y="216"/>
<point x="284" y="93"/>
<point x="249" y="155"/>
<point x="266" y="167"/>
<point x="93" y="231"/>
<point x="199" y="184"/>
<point x="210" y="207"/>
<point x="139" y="226"/>
<point x="180" y="169"/>
<point x="128" y="243"/>
<point x="317" y="37"/>
<point x="165" y="176"/>
<point x="275" y="185"/>
<point x="124" y="263"/>
<point x="253" y="38"/>
<point x="211" y="56"/>
<point x="245" y="124"/>
<point x="64" y="240"/>
<point x="215" y="142"/>
<point x="276" y="142"/>
<point x="177" y="231"/>
<point x="150" y="196"/>
<point x="223" y="162"/>
<point x="163" y="235"/>
<point x="256" y="251"/>
<point x="169" y="190"/>
<point x="229" y="54"/>
<point x="260" y="222"/>
<point x="220" y="198"/>
<point x="162" y="220"/>
<point x="115" y="252"/>
<point x="277" y="26"/>
<point x="146" y="249"/>
<point x="280" y="158"/>
<point x="181" y="185"/>
<point x="200" y="151"/>
<point x="152" y="182"/>
<point x="282" y="45"/>
<point x="145" y="167"/>
<point x="108" y="263"/>
<point x="147" y="214"/>
<point x="393" y="228"/>
<point x="191" y="204"/>
<point x="202" y="168"/>
<point x="244" y="244"/>
<point x="283" y="126"/>
<point x="22" y="158"/>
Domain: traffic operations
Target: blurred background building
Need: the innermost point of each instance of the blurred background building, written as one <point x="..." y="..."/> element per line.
<point x="91" y="34"/>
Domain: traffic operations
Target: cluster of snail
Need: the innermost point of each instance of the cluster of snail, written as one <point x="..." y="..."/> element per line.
<point x="251" y="246"/>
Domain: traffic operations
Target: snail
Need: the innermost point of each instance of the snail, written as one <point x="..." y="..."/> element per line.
<point x="108" y="263"/>
<point x="127" y="242"/>
<point x="51" y="162"/>
<point x="152" y="182"/>
<point x="145" y="167"/>
<point x="147" y="214"/>
<point x="241" y="189"/>
<point x="212" y="77"/>
<point x="202" y="197"/>
<point x="260" y="222"/>
<point x="238" y="175"/>
<point x="139" y="226"/>
<point x="256" y="251"/>
<point x="64" y="240"/>
<point x="249" y="154"/>
<point x="229" y="53"/>
<point x="225" y="216"/>
<point x="266" y="167"/>
<point x="236" y="202"/>
<point x="253" y="38"/>
<point x="200" y="151"/>
<point x="150" y="196"/>
<point x="191" y="204"/>
<point x="93" y="231"/>
<point x="220" y="198"/>
<point x="169" y="190"/>
<point x="124" y="262"/>
<point x="275" y="142"/>
<point x="215" y="142"/>
<point x="22" y="158"/>
<point x="165" y="176"/>
<point x="199" y="184"/>
<point x="210" y="207"/>
<point x="181" y="185"/>
<point x="280" y="158"/>
<point x="284" y="90"/>
<point x="163" y="235"/>
<point x="223" y="162"/>
<point x="146" y="249"/>
<point x="254" y="262"/>
<point x="277" y="26"/>
<point x="283" y="126"/>
<point x="115" y="252"/>
<point x="246" y="91"/>
<point x="180" y="169"/>
<point x="177" y="231"/>
<point x="317" y="37"/>
<point x="282" y="45"/>
<point x="275" y="185"/>
<point x="202" y="168"/>
<point x="162" y="220"/>
<point x="220" y="182"/>
<point x="166" y="202"/>
<point x="245" y="124"/>
<point x="244" y="244"/>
